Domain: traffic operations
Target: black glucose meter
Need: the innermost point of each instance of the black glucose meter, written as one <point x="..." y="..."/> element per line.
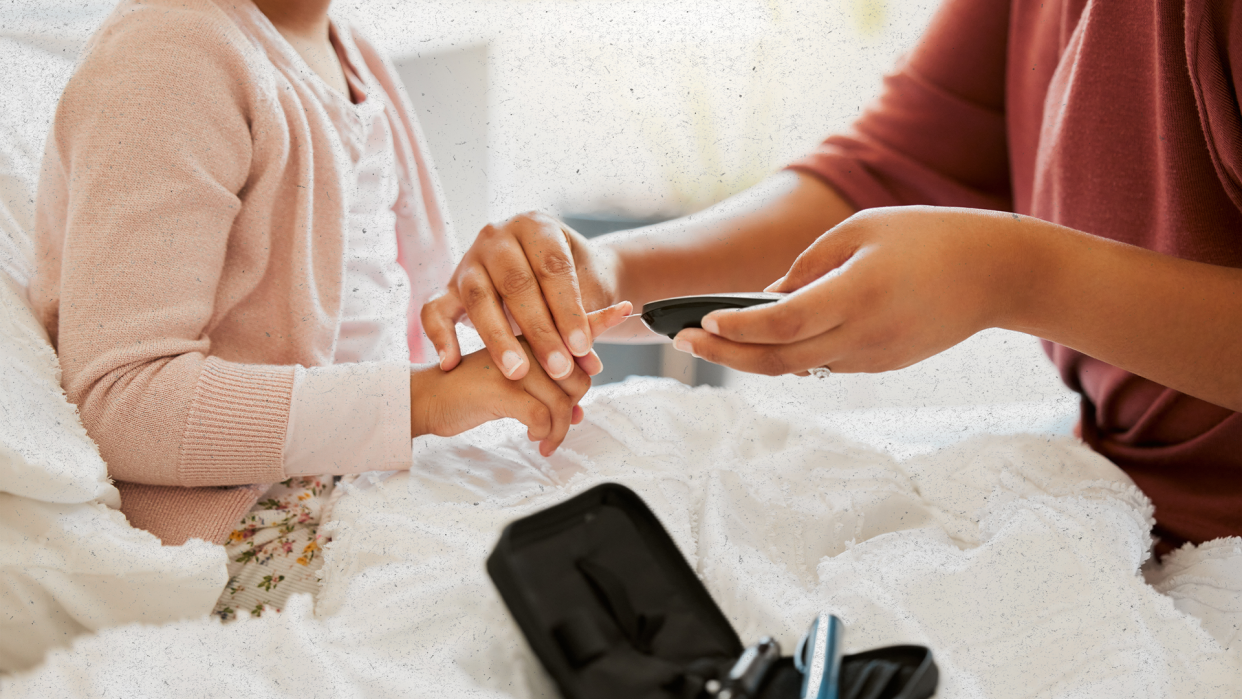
<point x="671" y="316"/>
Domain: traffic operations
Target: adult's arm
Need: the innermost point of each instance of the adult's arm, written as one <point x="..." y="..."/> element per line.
<point x="867" y="299"/>
<point x="935" y="136"/>
<point x="1173" y="321"/>
<point x="740" y="244"/>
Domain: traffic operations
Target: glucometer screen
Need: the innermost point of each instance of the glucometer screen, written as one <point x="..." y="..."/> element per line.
<point x="671" y="316"/>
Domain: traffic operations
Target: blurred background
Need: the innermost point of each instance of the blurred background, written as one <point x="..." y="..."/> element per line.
<point x="615" y="113"/>
<point x="633" y="109"/>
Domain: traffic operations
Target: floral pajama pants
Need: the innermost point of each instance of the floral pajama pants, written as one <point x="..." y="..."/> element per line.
<point x="275" y="551"/>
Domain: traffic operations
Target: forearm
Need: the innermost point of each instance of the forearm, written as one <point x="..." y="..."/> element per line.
<point x="1172" y="321"/>
<point x="349" y="418"/>
<point x="186" y="421"/>
<point x="741" y="244"/>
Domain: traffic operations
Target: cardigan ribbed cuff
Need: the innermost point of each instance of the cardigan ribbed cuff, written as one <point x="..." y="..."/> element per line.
<point x="235" y="432"/>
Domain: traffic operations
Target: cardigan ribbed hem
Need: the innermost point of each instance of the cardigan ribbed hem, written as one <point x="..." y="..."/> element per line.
<point x="235" y="432"/>
<point x="177" y="515"/>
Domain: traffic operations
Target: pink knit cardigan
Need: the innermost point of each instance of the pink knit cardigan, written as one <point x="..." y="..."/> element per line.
<point x="191" y="249"/>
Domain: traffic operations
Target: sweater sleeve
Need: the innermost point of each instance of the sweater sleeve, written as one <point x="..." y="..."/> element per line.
<point x="1214" y="56"/>
<point x="349" y="418"/>
<point x="149" y="150"/>
<point x="936" y="133"/>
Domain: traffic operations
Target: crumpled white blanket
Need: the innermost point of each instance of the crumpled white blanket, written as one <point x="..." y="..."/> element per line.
<point x="1018" y="560"/>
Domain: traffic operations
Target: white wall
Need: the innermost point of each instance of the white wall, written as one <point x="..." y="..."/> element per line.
<point x="644" y="108"/>
<point x="449" y="90"/>
<point x="653" y="107"/>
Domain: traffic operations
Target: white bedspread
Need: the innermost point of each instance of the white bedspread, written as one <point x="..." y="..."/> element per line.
<point x="1017" y="559"/>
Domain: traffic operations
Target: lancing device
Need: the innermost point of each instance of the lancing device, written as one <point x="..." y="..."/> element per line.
<point x="671" y="316"/>
<point x="818" y="657"/>
<point x="751" y="668"/>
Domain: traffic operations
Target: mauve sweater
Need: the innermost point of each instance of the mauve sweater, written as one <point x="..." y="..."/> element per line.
<point x="190" y="250"/>
<point x="1119" y="118"/>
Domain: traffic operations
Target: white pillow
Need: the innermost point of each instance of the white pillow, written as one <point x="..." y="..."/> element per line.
<point x="45" y="453"/>
<point x="69" y="562"/>
<point x="16" y="214"/>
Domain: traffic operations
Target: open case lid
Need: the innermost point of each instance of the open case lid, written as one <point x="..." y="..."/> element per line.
<point x="605" y="598"/>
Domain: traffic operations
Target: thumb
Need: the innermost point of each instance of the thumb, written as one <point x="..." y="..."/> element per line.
<point x="830" y="251"/>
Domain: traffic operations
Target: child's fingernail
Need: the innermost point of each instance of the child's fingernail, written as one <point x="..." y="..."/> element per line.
<point x="443" y="356"/>
<point x="558" y="366"/>
<point x="775" y="285"/>
<point x="578" y="343"/>
<point x="683" y="346"/>
<point x="511" y="360"/>
<point x="711" y="326"/>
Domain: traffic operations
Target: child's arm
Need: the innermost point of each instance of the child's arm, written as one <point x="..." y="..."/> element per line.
<point x="150" y="149"/>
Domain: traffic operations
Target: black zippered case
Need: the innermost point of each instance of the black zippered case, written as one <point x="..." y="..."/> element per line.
<point x="612" y="610"/>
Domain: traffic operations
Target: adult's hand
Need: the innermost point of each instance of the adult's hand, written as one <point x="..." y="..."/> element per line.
<point x="883" y="290"/>
<point x="547" y="277"/>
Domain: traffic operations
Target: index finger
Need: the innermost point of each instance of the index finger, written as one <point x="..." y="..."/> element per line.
<point x="551" y="258"/>
<point x="606" y="318"/>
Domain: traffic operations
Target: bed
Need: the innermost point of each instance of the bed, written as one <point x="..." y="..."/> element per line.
<point x="1018" y="559"/>
<point x="1018" y="555"/>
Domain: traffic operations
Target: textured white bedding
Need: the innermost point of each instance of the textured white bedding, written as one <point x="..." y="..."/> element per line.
<point x="69" y="562"/>
<point x="1017" y="559"/>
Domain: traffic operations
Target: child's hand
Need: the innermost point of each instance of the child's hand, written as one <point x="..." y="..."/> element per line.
<point x="475" y="392"/>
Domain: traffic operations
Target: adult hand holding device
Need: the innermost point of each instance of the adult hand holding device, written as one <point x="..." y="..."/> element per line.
<point x="546" y="276"/>
<point x="883" y="290"/>
<point x="890" y="287"/>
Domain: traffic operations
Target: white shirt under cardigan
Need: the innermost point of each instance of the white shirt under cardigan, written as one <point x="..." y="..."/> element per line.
<point x="341" y="420"/>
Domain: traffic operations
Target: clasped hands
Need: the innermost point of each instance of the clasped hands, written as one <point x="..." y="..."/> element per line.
<point x="883" y="290"/>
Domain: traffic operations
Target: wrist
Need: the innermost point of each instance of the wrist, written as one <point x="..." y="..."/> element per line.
<point x="610" y="270"/>
<point x="1028" y="276"/>
<point x="622" y="264"/>
<point x="422" y="394"/>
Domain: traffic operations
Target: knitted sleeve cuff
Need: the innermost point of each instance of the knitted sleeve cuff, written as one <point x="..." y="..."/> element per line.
<point x="235" y="432"/>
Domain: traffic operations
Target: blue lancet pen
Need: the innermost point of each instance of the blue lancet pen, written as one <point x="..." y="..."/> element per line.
<point x="818" y="657"/>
